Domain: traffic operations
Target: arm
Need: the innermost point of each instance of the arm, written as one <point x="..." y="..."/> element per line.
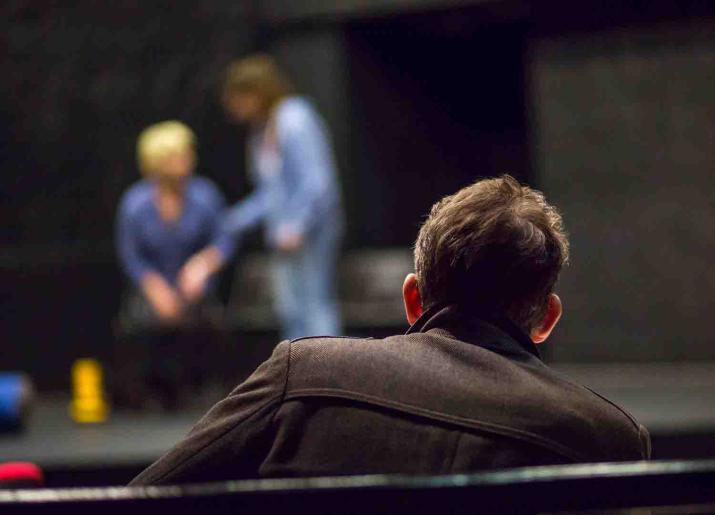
<point x="130" y="258"/>
<point x="233" y="438"/>
<point x="198" y="269"/>
<point x="222" y="244"/>
<point x="162" y="297"/>
<point x="195" y="273"/>
<point x="246" y="214"/>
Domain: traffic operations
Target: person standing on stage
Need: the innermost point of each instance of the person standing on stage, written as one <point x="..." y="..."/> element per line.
<point x="296" y="194"/>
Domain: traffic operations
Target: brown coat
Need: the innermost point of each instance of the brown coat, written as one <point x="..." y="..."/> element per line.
<point x="449" y="396"/>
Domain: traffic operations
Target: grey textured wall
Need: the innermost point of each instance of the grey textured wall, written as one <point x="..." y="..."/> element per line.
<point x="624" y="126"/>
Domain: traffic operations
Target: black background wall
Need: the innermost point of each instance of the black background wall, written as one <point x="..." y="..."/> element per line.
<point x="77" y="85"/>
<point x="434" y="109"/>
<point x="609" y="108"/>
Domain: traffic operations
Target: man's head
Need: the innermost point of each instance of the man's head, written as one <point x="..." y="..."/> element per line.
<point x="493" y="248"/>
<point x="166" y="152"/>
<point x="252" y="86"/>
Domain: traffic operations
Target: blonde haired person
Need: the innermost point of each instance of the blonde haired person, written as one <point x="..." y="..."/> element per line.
<point x="167" y="223"/>
<point x="296" y="194"/>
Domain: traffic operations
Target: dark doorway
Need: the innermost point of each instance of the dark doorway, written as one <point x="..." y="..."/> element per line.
<point x="437" y="102"/>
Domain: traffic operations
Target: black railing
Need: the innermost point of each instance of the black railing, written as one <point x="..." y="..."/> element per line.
<point x="533" y="489"/>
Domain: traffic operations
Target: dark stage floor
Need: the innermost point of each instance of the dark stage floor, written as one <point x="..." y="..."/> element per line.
<point x="675" y="401"/>
<point x="96" y="454"/>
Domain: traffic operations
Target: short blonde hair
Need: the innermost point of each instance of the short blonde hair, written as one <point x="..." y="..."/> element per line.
<point x="160" y="140"/>
<point x="259" y="74"/>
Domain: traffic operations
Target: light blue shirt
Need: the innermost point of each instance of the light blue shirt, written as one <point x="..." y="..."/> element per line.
<point x="293" y="171"/>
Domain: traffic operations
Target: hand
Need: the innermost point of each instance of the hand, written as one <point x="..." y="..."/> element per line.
<point x="290" y="242"/>
<point x="195" y="274"/>
<point x="193" y="278"/>
<point x="163" y="299"/>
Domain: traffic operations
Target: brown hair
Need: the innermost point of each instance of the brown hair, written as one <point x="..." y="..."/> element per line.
<point x="257" y="74"/>
<point x="495" y="247"/>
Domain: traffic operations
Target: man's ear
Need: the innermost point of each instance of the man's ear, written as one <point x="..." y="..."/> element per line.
<point x="554" y="309"/>
<point x="412" y="299"/>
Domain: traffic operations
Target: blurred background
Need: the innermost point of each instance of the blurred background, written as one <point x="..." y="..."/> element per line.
<point x="608" y="107"/>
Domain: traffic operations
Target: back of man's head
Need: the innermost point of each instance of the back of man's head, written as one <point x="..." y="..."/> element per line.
<point x="493" y="248"/>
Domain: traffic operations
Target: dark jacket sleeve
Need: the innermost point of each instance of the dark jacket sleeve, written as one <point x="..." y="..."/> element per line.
<point x="233" y="438"/>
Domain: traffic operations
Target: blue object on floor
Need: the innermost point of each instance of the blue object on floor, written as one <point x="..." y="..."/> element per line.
<point x="14" y="390"/>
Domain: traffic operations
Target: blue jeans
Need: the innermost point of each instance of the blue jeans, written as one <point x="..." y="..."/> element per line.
<point x="304" y="285"/>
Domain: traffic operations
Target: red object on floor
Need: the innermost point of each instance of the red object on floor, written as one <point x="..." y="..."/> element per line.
<point x="21" y="472"/>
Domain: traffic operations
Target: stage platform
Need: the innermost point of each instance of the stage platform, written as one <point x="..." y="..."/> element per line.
<point x="96" y="454"/>
<point x="675" y="401"/>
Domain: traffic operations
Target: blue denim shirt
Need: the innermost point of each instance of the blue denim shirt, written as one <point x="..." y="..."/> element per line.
<point x="145" y="242"/>
<point x="293" y="171"/>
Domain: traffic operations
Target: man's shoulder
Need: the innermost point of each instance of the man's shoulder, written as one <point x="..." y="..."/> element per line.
<point x="613" y="433"/>
<point x="331" y="351"/>
<point x="335" y="351"/>
<point x="344" y="363"/>
<point x="456" y="382"/>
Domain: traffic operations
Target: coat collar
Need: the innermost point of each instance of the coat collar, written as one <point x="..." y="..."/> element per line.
<point x="494" y="333"/>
